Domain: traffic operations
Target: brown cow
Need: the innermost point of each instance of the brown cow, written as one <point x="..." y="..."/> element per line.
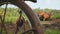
<point x="44" y="16"/>
<point x="40" y="15"/>
<point x="47" y="16"/>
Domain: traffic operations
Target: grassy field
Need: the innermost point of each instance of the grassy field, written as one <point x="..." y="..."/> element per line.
<point x="48" y="31"/>
<point x="12" y="15"/>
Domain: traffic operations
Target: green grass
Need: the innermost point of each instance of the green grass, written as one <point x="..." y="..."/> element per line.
<point x="3" y="32"/>
<point x="52" y="31"/>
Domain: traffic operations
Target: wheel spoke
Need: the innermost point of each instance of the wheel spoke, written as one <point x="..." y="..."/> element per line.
<point x="3" y="24"/>
<point x="19" y="20"/>
<point x="29" y="31"/>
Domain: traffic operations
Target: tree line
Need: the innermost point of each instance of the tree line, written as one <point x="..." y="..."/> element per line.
<point x="12" y="13"/>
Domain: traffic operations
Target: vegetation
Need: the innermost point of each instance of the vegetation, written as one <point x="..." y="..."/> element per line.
<point x="48" y="31"/>
<point x="12" y="16"/>
<point x="55" y="14"/>
<point x="12" y="13"/>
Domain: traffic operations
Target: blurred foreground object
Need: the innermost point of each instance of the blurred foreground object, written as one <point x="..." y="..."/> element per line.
<point x="31" y="0"/>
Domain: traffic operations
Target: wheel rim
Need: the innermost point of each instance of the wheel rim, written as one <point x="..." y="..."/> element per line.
<point x="31" y="15"/>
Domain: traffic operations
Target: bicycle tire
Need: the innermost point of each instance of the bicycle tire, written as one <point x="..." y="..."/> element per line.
<point x="35" y="22"/>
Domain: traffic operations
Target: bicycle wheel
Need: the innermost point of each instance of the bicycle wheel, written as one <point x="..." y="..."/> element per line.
<point x="30" y="14"/>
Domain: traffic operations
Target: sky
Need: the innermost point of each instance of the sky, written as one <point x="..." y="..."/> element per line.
<point x="42" y="4"/>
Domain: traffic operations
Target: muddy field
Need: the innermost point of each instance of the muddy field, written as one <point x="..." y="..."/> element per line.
<point x="55" y="24"/>
<point x="11" y="28"/>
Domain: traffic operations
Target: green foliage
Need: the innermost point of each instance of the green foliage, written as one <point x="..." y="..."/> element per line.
<point x="36" y="10"/>
<point x="12" y="13"/>
<point x="55" y="14"/>
<point x="52" y="31"/>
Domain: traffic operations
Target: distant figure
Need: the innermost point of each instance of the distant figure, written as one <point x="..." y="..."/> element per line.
<point x="43" y="16"/>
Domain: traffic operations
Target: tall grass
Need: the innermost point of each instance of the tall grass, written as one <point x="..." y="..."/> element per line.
<point x="48" y="31"/>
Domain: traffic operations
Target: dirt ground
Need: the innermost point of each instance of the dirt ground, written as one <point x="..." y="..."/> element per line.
<point x="55" y="24"/>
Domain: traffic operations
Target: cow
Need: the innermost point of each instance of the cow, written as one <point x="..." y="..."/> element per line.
<point x="40" y="15"/>
<point x="43" y="16"/>
<point x="47" y="16"/>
